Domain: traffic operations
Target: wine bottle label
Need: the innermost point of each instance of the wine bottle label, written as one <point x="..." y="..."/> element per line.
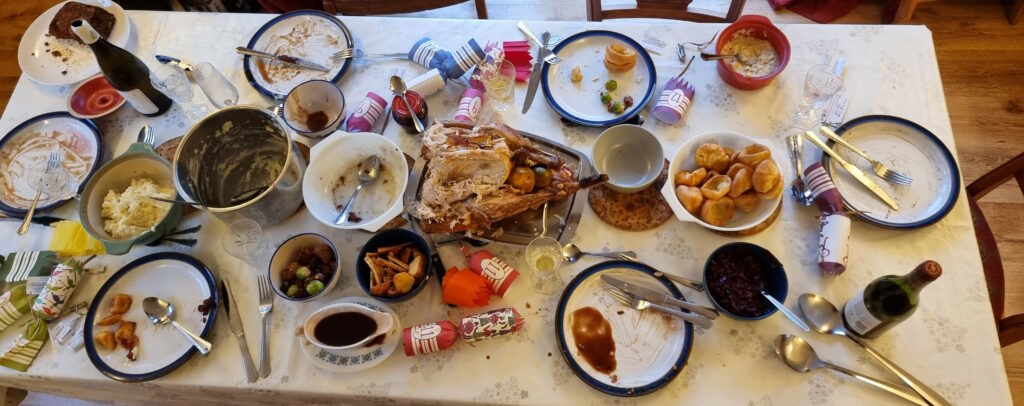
<point x="139" y="101"/>
<point x="857" y="316"/>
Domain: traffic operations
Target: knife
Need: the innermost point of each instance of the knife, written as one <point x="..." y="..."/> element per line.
<point x="291" y="60"/>
<point x="170" y="60"/>
<point x="548" y="56"/>
<point x="235" y="322"/>
<point x="655" y="296"/>
<point x="531" y="89"/>
<point x="853" y="170"/>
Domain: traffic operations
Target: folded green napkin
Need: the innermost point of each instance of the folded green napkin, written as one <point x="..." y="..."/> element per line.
<point x="26" y="347"/>
<point x="13" y="304"/>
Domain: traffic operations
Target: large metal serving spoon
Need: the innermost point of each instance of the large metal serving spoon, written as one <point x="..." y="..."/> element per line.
<point x="398" y="89"/>
<point x="369" y="170"/>
<point x="160" y="312"/>
<point x="571" y="253"/>
<point x="823" y="316"/>
<point x="800" y="356"/>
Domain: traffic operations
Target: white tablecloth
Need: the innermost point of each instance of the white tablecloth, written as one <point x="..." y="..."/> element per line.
<point x="949" y="343"/>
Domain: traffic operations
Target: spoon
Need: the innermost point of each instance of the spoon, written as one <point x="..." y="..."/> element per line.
<point x="800" y="356"/>
<point x="160" y="312"/>
<point x="369" y="169"/>
<point x="739" y="56"/>
<point x="785" y="310"/>
<point x="571" y="253"/>
<point x="823" y="316"/>
<point x="241" y="197"/>
<point x="398" y="88"/>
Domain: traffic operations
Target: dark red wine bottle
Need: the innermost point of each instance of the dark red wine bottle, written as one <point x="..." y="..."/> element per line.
<point x="888" y="300"/>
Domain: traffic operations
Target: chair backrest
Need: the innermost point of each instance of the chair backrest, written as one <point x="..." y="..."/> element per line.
<point x="376" y="7"/>
<point x="668" y="9"/>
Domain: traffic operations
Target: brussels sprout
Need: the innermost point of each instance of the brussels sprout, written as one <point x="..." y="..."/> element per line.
<point x="314" y="287"/>
<point x="292" y="290"/>
<point x="606" y="98"/>
<point x="617" y="107"/>
<point x="611" y="85"/>
<point x="628" y="101"/>
<point x="542" y="176"/>
<point x="302" y="273"/>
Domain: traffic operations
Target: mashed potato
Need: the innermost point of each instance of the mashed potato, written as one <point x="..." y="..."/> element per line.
<point x="130" y="213"/>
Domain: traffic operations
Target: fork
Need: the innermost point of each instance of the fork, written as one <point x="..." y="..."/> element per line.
<point x="51" y="163"/>
<point x="681" y="47"/>
<point x="550" y="58"/>
<point x="266" y="305"/>
<point x="795" y="144"/>
<point x="640" y="304"/>
<point x="347" y="53"/>
<point x="879" y="168"/>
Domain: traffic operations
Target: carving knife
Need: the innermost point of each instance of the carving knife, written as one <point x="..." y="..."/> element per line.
<point x="655" y="296"/>
<point x="853" y="170"/>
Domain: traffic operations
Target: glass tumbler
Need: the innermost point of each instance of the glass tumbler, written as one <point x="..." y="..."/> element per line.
<point x="171" y="80"/>
<point x="544" y="256"/>
<point x="499" y="78"/>
<point x="217" y="88"/>
<point x="244" y="240"/>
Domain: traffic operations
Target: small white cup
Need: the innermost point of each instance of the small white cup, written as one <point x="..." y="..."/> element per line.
<point x="309" y="98"/>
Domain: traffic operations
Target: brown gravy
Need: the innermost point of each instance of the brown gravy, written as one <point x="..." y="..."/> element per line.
<point x="316" y="121"/>
<point x="594" y="341"/>
<point x="345" y="328"/>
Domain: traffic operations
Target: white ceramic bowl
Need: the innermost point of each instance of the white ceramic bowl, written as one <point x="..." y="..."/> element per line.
<point x="683" y="159"/>
<point x="384" y="322"/>
<point x="312" y="97"/>
<point x="286" y="252"/>
<point x="337" y="156"/>
<point x="631" y="156"/>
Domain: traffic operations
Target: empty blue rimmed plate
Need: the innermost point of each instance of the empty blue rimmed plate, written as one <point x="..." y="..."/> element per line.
<point x="905" y="147"/>
<point x="651" y="348"/>
<point x="308" y="34"/>
<point x="580" y="102"/>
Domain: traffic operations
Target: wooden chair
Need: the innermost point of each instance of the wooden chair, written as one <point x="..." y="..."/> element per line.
<point x="375" y="7"/>
<point x="1011" y="329"/>
<point x="670" y="9"/>
<point x="900" y="11"/>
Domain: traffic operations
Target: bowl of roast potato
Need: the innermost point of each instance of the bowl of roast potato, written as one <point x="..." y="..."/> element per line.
<point x="726" y="181"/>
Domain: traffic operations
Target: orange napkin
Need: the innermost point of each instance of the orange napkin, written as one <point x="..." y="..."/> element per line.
<point x="464" y="288"/>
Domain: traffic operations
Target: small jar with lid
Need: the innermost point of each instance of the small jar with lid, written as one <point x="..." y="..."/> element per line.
<point x="400" y="112"/>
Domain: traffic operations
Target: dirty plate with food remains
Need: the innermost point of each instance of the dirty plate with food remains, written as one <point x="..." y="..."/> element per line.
<point x="184" y="282"/>
<point x="308" y="34"/>
<point x="332" y="176"/>
<point x="355" y="359"/>
<point x="612" y="347"/>
<point x="581" y="101"/>
<point x="26" y="148"/>
<point x="57" y="62"/>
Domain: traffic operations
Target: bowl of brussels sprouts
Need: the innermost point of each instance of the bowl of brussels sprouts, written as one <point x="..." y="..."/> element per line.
<point x="304" y="267"/>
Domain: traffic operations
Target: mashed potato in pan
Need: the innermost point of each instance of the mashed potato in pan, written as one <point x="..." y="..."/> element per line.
<point x="130" y="213"/>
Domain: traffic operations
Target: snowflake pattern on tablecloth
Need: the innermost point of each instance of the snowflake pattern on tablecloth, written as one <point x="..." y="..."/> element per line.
<point x="672" y="243"/>
<point x="372" y="392"/>
<point x="746" y="342"/>
<point x="894" y="72"/>
<point x="682" y="382"/>
<point x="720" y="95"/>
<point x="822" y="387"/>
<point x="615" y="402"/>
<point x="946" y="335"/>
<point x="821" y="47"/>
<point x="429" y="365"/>
<point x="763" y="401"/>
<point x="560" y="371"/>
<point x="506" y="392"/>
<point x="952" y="391"/>
<point x="574" y="135"/>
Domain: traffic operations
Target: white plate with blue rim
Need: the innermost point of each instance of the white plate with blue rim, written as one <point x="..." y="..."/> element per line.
<point x="178" y="278"/>
<point x="651" y="348"/>
<point x="58" y="62"/>
<point x="308" y="34"/>
<point x="905" y="147"/>
<point x="580" y="102"/>
<point x="356" y="359"/>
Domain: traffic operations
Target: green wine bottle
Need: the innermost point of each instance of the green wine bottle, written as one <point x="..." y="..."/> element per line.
<point x="888" y="300"/>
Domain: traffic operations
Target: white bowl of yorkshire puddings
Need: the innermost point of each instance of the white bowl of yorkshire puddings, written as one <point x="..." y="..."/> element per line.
<point x="726" y="181"/>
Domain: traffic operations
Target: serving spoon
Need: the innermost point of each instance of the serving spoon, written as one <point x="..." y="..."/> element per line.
<point x="823" y="316"/>
<point x="800" y="357"/>
<point x="369" y="171"/>
<point x="161" y="312"/>
<point x="571" y="253"/>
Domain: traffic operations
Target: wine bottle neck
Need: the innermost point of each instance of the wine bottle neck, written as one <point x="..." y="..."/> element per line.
<point x="924" y="274"/>
<point x="85" y="32"/>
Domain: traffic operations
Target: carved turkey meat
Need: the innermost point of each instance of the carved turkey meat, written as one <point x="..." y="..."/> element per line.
<point x="467" y="178"/>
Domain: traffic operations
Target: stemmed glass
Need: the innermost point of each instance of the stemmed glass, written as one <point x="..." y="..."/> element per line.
<point x="171" y="80"/>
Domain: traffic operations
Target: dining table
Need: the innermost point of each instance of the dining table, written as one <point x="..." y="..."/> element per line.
<point x="950" y="343"/>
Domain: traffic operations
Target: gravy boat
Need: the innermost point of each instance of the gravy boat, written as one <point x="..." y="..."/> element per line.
<point x="384" y="323"/>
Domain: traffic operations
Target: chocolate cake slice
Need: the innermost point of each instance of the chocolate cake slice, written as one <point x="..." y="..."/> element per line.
<point x="98" y="18"/>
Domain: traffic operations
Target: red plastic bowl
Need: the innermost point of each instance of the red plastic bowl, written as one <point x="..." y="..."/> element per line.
<point x="94" y="98"/>
<point x="764" y="29"/>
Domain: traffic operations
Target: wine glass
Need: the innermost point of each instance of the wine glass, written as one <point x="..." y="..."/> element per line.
<point x="217" y="88"/>
<point x="171" y="80"/>
<point x="244" y="240"/>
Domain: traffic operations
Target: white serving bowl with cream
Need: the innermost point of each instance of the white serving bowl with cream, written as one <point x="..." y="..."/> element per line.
<point x="332" y="176"/>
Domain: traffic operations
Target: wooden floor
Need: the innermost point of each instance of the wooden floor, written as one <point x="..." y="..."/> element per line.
<point x="981" y="58"/>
